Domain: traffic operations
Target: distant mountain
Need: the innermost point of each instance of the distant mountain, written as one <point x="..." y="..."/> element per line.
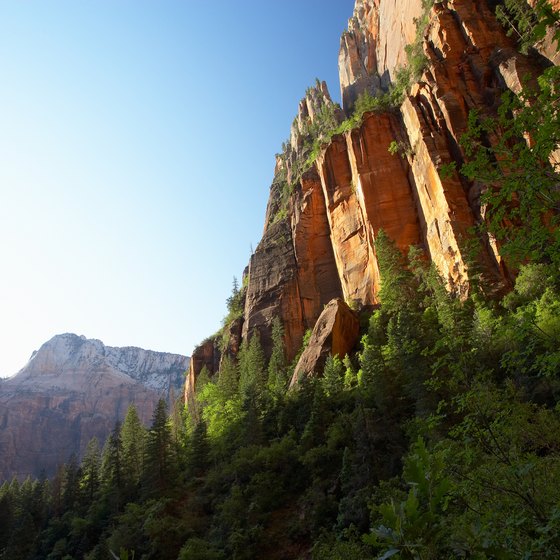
<point x="73" y="389"/>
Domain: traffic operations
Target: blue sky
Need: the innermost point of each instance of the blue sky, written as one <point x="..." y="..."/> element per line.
<point x="137" y="143"/>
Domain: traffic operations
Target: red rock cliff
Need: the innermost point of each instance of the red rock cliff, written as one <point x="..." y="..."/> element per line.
<point x="322" y="219"/>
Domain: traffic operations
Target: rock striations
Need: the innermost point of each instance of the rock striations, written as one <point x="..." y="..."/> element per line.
<point x="73" y="389"/>
<point x="332" y="193"/>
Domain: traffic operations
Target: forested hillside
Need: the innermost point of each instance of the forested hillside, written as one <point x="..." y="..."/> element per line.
<point x="439" y="439"/>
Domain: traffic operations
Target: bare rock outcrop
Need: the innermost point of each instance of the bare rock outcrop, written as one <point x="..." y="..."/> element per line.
<point x="357" y="58"/>
<point x="206" y="355"/>
<point x="335" y="333"/>
<point x="74" y="389"/>
<point x="373" y="47"/>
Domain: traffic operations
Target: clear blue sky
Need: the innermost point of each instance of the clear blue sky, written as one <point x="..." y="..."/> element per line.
<point x="137" y="143"/>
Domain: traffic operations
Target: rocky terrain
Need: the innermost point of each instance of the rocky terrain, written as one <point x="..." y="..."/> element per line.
<point x="73" y="389"/>
<point x="323" y="218"/>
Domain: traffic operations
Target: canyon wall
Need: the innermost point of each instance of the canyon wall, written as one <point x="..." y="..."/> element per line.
<point x="73" y="389"/>
<point x="326" y="209"/>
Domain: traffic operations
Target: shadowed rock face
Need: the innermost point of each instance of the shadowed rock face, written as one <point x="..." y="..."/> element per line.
<point x="74" y="389"/>
<point x="336" y="332"/>
<point x="319" y="237"/>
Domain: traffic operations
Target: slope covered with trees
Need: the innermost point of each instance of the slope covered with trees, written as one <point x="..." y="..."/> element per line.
<point x="438" y="438"/>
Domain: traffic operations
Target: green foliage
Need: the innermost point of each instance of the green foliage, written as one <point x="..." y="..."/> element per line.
<point x="412" y="527"/>
<point x="160" y="458"/>
<point x="234" y="302"/>
<point x="252" y="366"/>
<point x="199" y="450"/>
<point x="133" y="436"/>
<point x="199" y="549"/>
<point x="398" y="286"/>
<point x="521" y="197"/>
<point x="331" y="549"/>
<point x="393" y="148"/>
<point x="527" y="24"/>
<point x="90" y="479"/>
<point x="277" y="367"/>
<point x="112" y="468"/>
<point x="228" y="378"/>
<point x="333" y="376"/>
<point x="365" y="103"/>
<point x="401" y="148"/>
<point x="220" y="410"/>
<point x="445" y="443"/>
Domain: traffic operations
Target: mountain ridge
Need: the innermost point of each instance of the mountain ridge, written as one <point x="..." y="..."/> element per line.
<point x="73" y="389"/>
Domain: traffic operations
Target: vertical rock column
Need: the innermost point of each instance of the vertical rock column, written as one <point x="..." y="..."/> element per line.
<point x="382" y="184"/>
<point x="317" y="275"/>
<point x="445" y="213"/>
<point x="273" y="290"/>
<point x="356" y="264"/>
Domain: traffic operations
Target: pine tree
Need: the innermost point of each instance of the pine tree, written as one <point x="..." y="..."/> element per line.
<point x="277" y="370"/>
<point x="199" y="450"/>
<point x="112" y="468"/>
<point x="333" y="379"/>
<point x="398" y="286"/>
<point x="6" y="515"/>
<point x="228" y="378"/>
<point x="90" y="480"/>
<point x="252" y="367"/>
<point x="179" y="432"/>
<point x="71" y="483"/>
<point x="24" y="530"/>
<point x="160" y="458"/>
<point x="133" y="436"/>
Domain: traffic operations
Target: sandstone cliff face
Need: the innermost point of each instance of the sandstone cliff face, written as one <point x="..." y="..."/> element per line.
<point x="470" y="60"/>
<point x="373" y="47"/>
<point x="357" y="59"/>
<point x="321" y="224"/>
<point x="366" y="189"/>
<point x="74" y="389"/>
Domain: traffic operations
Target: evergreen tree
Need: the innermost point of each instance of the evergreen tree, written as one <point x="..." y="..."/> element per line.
<point x="277" y="367"/>
<point x="71" y="483"/>
<point x="112" y="475"/>
<point x="333" y="380"/>
<point x="24" y="530"/>
<point x="199" y="450"/>
<point x="179" y="431"/>
<point x="160" y="457"/>
<point x="234" y="303"/>
<point x="6" y="515"/>
<point x="398" y="286"/>
<point x="90" y="479"/>
<point x="133" y="437"/>
<point x="252" y="367"/>
<point x="228" y="378"/>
